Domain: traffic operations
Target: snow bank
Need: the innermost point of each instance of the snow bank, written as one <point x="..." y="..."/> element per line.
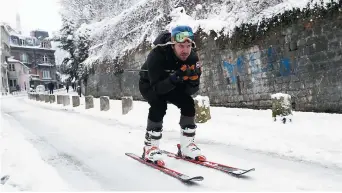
<point x="312" y="137"/>
<point x="23" y="164"/>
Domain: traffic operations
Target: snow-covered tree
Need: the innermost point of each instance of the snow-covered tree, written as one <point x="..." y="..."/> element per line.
<point x="67" y="43"/>
<point x="76" y="43"/>
<point x="81" y="53"/>
<point x="117" y="26"/>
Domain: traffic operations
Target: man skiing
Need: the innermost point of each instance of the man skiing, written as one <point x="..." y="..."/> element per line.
<point x="171" y="74"/>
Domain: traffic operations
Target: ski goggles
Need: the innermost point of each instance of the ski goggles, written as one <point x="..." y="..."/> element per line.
<point x="183" y="36"/>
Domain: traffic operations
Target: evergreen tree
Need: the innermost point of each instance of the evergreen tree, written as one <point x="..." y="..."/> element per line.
<point x="77" y="45"/>
<point x="67" y="43"/>
<point x="81" y="53"/>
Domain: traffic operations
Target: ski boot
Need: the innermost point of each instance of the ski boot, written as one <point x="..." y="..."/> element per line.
<point x="187" y="147"/>
<point x="151" y="151"/>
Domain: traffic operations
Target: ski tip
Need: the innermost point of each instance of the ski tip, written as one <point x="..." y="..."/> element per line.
<point x="197" y="178"/>
<point x="252" y="169"/>
<point x="192" y="179"/>
<point x="4" y="179"/>
<point x="243" y="172"/>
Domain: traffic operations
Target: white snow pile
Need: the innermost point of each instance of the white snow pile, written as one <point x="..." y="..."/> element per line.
<point x="279" y="95"/>
<point x="23" y="166"/>
<point x="123" y="25"/>
<point x="203" y="101"/>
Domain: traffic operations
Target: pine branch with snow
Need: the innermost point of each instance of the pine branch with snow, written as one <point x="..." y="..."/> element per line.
<point x="117" y="26"/>
<point x="76" y="43"/>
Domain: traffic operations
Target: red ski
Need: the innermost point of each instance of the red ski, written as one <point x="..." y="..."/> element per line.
<point x="224" y="168"/>
<point x="180" y="176"/>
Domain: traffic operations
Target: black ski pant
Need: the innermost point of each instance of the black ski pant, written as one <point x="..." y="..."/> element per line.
<point x="158" y="105"/>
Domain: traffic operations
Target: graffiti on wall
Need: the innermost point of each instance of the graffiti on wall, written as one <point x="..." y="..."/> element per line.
<point x="251" y="61"/>
<point x="232" y="68"/>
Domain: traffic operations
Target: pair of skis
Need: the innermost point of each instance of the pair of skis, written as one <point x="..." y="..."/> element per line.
<point x="237" y="172"/>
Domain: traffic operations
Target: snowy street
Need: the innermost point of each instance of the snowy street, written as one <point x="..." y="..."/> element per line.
<point x="63" y="62"/>
<point x="48" y="147"/>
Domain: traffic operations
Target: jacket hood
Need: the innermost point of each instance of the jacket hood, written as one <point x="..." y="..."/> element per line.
<point x="162" y="38"/>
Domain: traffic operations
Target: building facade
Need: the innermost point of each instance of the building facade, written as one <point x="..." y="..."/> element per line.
<point x="35" y="52"/>
<point x="18" y="75"/>
<point x="4" y="54"/>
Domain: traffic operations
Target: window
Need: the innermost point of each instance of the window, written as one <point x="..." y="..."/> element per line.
<point x="29" y="42"/>
<point x="14" y="40"/>
<point x="11" y="67"/>
<point x="24" y="58"/>
<point x="45" y="45"/>
<point x="45" y="59"/>
<point x="46" y="74"/>
<point x="13" y="83"/>
<point x="22" y="42"/>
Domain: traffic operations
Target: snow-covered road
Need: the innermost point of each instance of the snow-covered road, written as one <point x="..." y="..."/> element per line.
<point x="50" y="149"/>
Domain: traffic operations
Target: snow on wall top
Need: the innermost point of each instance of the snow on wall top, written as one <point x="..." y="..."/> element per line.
<point x="279" y="95"/>
<point x="144" y="19"/>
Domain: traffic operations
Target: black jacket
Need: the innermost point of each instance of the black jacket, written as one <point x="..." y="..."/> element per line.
<point x="163" y="58"/>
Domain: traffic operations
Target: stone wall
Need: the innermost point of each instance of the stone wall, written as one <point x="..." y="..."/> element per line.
<point x="103" y="82"/>
<point x="302" y="58"/>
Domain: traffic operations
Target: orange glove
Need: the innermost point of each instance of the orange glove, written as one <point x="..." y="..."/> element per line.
<point x="194" y="72"/>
